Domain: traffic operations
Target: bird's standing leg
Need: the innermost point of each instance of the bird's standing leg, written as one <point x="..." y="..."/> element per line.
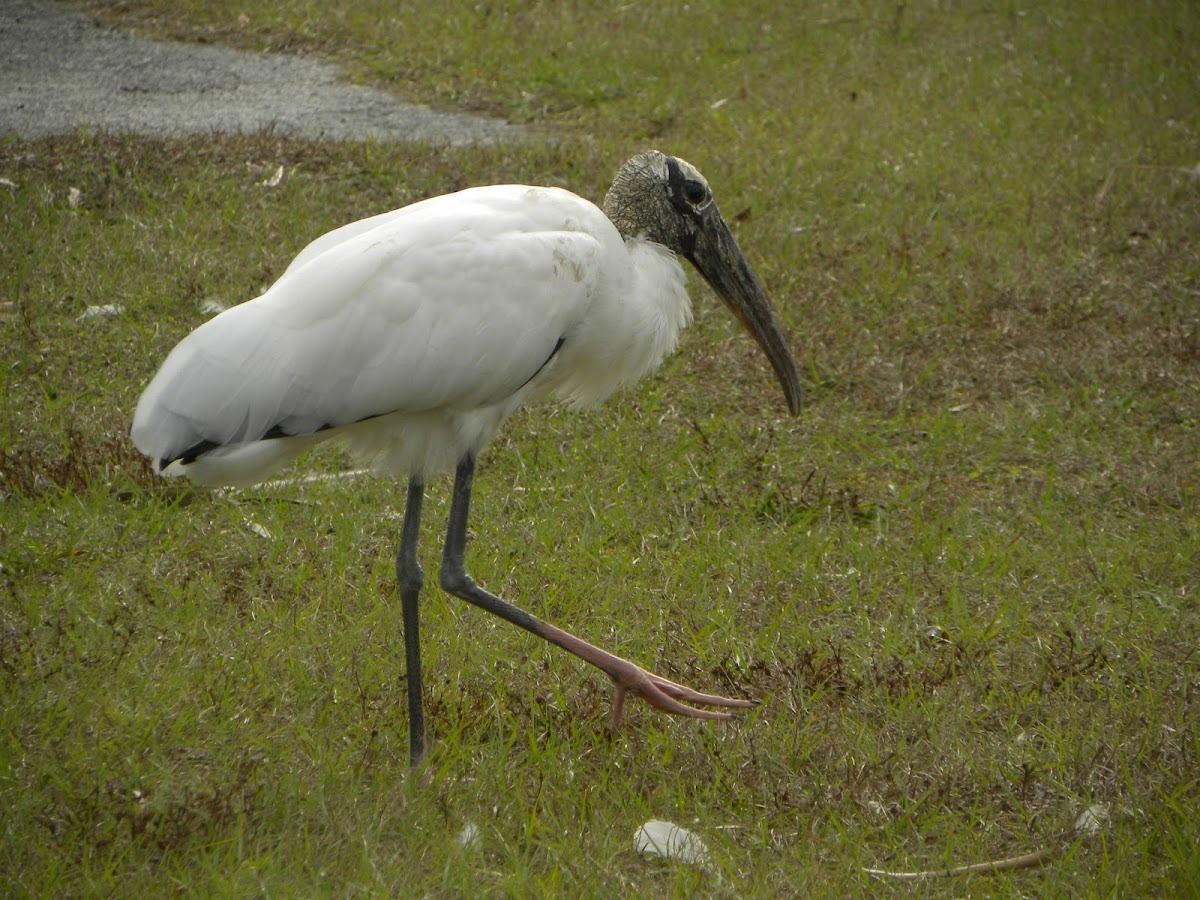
<point x="410" y="576"/>
<point x="666" y="695"/>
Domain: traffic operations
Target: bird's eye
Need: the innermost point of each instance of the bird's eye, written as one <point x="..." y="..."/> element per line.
<point x="695" y="192"/>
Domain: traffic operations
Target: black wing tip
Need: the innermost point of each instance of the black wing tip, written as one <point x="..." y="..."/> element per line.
<point x="190" y="455"/>
<point x="201" y="447"/>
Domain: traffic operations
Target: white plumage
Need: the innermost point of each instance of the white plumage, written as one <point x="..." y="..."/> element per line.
<point x="412" y="335"/>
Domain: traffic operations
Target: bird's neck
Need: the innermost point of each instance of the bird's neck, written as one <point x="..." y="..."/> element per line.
<point x="659" y="297"/>
<point x="634" y="323"/>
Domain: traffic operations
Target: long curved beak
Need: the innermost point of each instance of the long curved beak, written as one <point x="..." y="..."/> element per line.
<point x="719" y="259"/>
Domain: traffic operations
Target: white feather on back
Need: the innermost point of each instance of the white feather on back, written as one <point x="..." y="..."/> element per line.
<point x="414" y="334"/>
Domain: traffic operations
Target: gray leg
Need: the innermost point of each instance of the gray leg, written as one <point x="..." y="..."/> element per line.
<point x="659" y="692"/>
<point x="410" y="576"/>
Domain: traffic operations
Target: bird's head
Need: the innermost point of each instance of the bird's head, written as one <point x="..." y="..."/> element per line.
<point x="664" y="199"/>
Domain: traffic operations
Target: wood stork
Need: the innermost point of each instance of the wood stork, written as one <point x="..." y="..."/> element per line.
<point x="412" y="335"/>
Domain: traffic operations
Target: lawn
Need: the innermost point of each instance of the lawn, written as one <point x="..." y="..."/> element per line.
<point x="963" y="583"/>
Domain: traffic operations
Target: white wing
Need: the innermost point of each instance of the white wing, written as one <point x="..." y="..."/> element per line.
<point x="454" y="303"/>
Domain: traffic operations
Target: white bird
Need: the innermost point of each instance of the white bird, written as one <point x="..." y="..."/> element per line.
<point x="411" y="336"/>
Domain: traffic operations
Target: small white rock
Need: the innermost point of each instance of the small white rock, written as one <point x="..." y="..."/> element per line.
<point x="1092" y="819"/>
<point x="468" y="836"/>
<point x="274" y="180"/>
<point x="106" y="311"/>
<point x="260" y="530"/>
<point x="668" y="840"/>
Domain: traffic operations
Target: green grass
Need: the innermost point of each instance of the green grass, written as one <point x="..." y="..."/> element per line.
<point x="963" y="582"/>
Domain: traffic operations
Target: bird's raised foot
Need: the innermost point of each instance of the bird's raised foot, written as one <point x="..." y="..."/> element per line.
<point x="628" y="677"/>
<point x="665" y="695"/>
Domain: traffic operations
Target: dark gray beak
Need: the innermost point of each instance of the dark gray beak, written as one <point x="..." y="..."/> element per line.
<point x="719" y="259"/>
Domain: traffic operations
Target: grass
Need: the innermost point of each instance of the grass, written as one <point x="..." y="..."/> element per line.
<point x="963" y="583"/>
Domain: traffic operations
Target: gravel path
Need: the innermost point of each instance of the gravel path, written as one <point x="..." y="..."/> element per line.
<point x="61" y="70"/>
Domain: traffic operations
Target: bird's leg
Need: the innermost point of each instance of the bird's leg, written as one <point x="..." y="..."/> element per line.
<point x="659" y="692"/>
<point x="410" y="576"/>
